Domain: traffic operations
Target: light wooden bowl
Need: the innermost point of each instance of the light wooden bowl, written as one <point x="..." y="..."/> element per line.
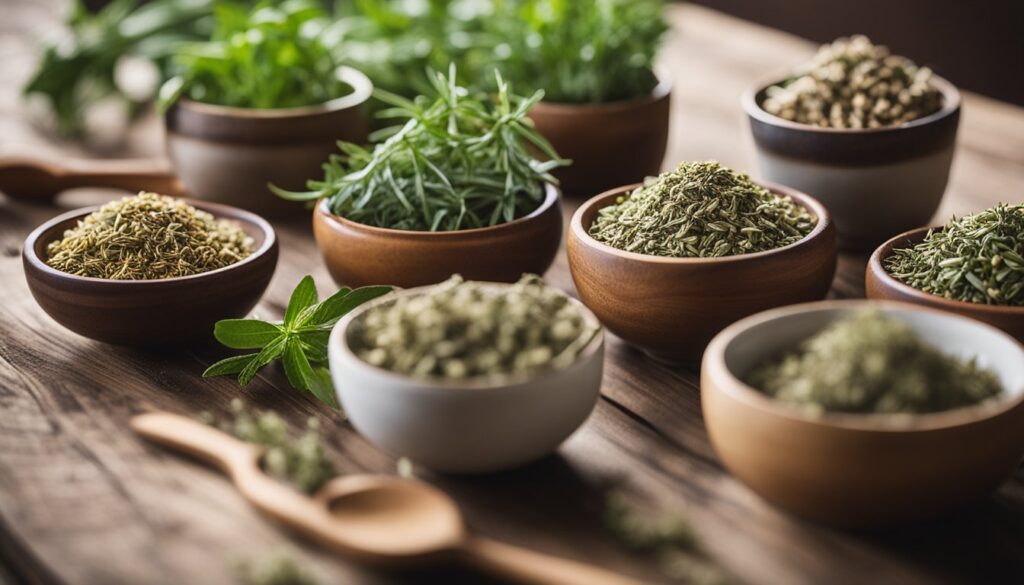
<point x="857" y="470"/>
<point x="357" y="254"/>
<point x="880" y="285"/>
<point x="672" y="307"/>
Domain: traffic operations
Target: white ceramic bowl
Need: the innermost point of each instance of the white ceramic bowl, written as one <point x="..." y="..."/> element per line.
<point x="466" y="426"/>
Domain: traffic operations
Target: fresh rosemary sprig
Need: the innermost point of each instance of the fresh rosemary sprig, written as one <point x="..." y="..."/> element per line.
<point x="458" y="161"/>
<point x="300" y="340"/>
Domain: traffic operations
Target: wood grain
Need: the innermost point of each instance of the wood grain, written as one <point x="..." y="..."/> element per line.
<point x="82" y="500"/>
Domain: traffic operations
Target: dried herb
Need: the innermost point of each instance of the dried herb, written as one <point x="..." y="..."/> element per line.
<point x="145" y="237"/>
<point x="300" y="339"/>
<point x="852" y="83"/>
<point x="278" y="569"/>
<point x="464" y="329"/>
<point x="701" y="209"/>
<point x="457" y="162"/>
<point x="300" y="461"/>
<point x="872" y="363"/>
<point x="977" y="258"/>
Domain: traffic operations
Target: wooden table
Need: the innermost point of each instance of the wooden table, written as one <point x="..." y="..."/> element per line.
<point x="82" y="500"/>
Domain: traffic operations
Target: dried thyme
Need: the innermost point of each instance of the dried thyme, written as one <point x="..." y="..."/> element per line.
<point x="977" y="258"/>
<point x="146" y="237"/>
<point x="852" y="83"/>
<point x="871" y="363"/>
<point x="701" y="209"/>
<point x="280" y="568"/>
<point x="465" y="329"/>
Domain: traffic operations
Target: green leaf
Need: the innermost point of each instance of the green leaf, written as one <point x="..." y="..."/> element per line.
<point x="231" y="365"/>
<point x="322" y="388"/>
<point x="269" y="353"/>
<point x="343" y="301"/>
<point x="303" y="297"/>
<point x="296" y="366"/>
<point x="245" y="333"/>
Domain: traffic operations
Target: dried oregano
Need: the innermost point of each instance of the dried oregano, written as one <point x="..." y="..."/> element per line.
<point x="465" y="329"/>
<point x="145" y="237"/>
<point x="977" y="258"/>
<point x="701" y="209"/>
<point x="871" y="363"/>
<point x="852" y="83"/>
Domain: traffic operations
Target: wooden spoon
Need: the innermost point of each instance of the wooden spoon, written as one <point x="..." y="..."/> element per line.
<point x="41" y="180"/>
<point x="375" y="518"/>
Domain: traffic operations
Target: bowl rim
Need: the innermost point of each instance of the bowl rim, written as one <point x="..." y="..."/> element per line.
<point x="714" y="366"/>
<point x="660" y="91"/>
<point x="362" y="90"/>
<point x="876" y="269"/>
<point x="218" y="210"/>
<point x="951" y="101"/>
<point x="552" y="195"/>
<point x="583" y="236"/>
<point x="338" y="345"/>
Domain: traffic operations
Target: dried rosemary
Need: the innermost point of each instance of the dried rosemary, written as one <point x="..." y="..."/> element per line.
<point x="146" y="237"/>
<point x="701" y="209"/>
<point x="463" y="329"/>
<point x="977" y="258"/>
<point x="871" y="363"/>
<point x="852" y="83"/>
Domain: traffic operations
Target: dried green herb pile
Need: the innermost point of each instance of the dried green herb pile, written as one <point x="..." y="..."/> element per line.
<point x="466" y="329"/>
<point x="300" y="461"/>
<point x="852" y="83"/>
<point x="977" y="258"/>
<point x="280" y="568"/>
<point x="145" y="237"/>
<point x="871" y="363"/>
<point x="701" y="209"/>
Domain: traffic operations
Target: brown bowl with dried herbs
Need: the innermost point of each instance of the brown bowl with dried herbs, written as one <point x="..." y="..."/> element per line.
<point x="670" y="307"/>
<point x="169" y="287"/>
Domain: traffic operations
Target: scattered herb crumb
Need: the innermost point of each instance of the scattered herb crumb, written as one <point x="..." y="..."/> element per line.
<point x="405" y="468"/>
<point x="277" y="569"/>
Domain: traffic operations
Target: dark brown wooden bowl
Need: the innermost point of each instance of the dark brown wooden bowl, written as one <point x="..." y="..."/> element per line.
<point x="672" y="307"/>
<point x="150" y="312"/>
<point x="358" y="255"/>
<point x="879" y="284"/>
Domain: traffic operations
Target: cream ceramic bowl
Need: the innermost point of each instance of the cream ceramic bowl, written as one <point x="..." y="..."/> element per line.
<point x="468" y="426"/>
<point x="856" y="470"/>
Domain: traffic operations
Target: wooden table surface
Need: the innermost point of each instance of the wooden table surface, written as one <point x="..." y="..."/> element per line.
<point x="82" y="500"/>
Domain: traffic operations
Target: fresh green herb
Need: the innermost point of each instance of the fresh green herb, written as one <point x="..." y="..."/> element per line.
<point x="461" y="329"/>
<point x="146" y="237"/>
<point x="300" y="340"/>
<point x="978" y="258"/>
<point x="871" y="363"/>
<point x="585" y="51"/>
<point x="457" y="162"/>
<point x="275" y="56"/>
<point x="280" y="568"/>
<point x="852" y="83"/>
<point x="701" y="209"/>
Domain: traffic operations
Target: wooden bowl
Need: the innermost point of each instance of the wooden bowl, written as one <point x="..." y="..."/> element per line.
<point x="474" y="425"/>
<point x="876" y="182"/>
<point x="879" y="284"/>
<point x="358" y="255"/>
<point x="672" y="307"/>
<point x="862" y="470"/>
<point x="150" y="312"/>
<point x="229" y="155"/>
<point x="610" y="144"/>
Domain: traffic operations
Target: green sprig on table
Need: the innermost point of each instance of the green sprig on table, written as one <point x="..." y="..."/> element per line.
<point x="299" y="341"/>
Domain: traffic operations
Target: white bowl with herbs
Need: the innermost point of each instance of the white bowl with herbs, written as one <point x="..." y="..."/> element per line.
<point x="469" y="377"/>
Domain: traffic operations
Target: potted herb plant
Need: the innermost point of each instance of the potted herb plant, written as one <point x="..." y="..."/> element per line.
<point x="264" y="101"/>
<point x="453" y="188"/>
<point x="604" y="105"/>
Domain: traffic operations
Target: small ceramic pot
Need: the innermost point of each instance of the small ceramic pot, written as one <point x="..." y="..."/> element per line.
<point x="612" y="144"/>
<point x="150" y="312"/>
<point x="672" y="307"/>
<point x="879" y="284"/>
<point x="229" y="155"/>
<point x="875" y="182"/>
<point x="358" y="255"/>
<point x="464" y="426"/>
<point x="862" y="470"/>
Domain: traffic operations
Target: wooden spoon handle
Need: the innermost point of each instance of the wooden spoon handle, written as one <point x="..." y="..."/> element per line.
<point x="535" y="568"/>
<point x="197" y="439"/>
<point x="130" y="174"/>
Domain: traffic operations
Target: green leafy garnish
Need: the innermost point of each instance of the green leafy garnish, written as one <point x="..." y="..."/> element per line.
<point x="300" y="340"/>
